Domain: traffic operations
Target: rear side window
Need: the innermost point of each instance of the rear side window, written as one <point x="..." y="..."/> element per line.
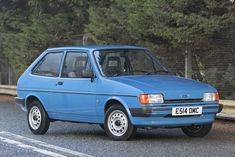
<point x="49" y="65"/>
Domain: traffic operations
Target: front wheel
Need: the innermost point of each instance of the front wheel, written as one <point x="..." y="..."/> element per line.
<point x="38" y="120"/>
<point x="197" y="130"/>
<point x="117" y="124"/>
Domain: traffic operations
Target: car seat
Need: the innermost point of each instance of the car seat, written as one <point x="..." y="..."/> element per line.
<point x="113" y="66"/>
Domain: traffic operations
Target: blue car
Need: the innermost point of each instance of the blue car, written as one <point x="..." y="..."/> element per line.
<point x="121" y="88"/>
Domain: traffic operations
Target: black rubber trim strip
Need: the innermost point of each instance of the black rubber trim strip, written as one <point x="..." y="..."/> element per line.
<point x="140" y="112"/>
<point x="162" y="109"/>
<point x="221" y="106"/>
<point x="209" y="107"/>
<point x="20" y="101"/>
<point x="182" y="101"/>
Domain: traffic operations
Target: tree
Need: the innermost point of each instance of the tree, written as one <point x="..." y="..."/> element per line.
<point x="185" y="25"/>
<point x="167" y="27"/>
<point x="30" y="26"/>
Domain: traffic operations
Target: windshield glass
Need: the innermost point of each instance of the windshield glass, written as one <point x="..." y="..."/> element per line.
<point x="127" y="62"/>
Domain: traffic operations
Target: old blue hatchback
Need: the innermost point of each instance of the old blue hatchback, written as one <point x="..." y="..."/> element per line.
<point x="121" y="88"/>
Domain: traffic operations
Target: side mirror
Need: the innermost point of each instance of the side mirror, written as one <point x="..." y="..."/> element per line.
<point x="88" y="74"/>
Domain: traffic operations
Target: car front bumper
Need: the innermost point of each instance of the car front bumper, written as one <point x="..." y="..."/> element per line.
<point x="161" y="115"/>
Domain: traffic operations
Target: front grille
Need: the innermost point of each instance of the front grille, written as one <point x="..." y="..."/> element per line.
<point x="172" y="101"/>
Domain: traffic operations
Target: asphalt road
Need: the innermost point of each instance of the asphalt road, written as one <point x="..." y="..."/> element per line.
<point x="72" y="139"/>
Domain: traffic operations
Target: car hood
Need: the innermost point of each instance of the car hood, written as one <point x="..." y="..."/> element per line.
<point x="172" y="87"/>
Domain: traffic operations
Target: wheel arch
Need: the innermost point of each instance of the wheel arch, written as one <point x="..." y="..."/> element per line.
<point x="115" y="100"/>
<point x="30" y="98"/>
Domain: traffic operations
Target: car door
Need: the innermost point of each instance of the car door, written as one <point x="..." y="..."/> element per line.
<point x="77" y="92"/>
<point x="44" y="79"/>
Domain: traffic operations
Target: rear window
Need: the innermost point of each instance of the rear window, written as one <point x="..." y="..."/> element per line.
<point x="49" y="65"/>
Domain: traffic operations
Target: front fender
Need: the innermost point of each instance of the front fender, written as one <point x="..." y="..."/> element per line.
<point x="123" y="102"/>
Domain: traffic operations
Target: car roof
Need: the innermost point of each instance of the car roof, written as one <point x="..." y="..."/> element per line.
<point x="96" y="47"/>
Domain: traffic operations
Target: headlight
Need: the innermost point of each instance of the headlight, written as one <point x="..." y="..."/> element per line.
<point x="151" y="99"/>
<point x="211" y="97"/>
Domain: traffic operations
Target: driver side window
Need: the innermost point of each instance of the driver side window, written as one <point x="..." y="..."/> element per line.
<point x="75" y="63"/>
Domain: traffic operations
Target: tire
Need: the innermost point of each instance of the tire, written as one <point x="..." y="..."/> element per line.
<point x="117" y="124"/>
<point x="37" y="118"/>
<point x="197" y="130"/>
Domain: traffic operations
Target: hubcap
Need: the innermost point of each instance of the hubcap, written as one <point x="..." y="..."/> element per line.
<point x="117" y="123"/>
<point x="35" y="117"/>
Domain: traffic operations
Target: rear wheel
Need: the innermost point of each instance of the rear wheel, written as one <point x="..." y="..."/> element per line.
<point x="117" y="124"/>
<point x="197" y="130"/>
<point x="38" y="120"/>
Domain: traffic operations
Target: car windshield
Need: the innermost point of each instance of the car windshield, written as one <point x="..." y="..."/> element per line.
<point x="128" y="62"/>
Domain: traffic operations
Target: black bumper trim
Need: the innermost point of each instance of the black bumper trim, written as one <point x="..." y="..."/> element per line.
<point x="139" y="112"/>
<point x="20" y="101"/>
<point x="220" y="108"/>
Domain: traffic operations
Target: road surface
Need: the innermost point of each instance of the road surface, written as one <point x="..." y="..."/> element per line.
<point x="72" y="139"/>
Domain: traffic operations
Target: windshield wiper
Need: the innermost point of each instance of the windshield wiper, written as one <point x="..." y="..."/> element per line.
<point x="163" y="71"/>
<point x="117" y="74"/>
<point x="158" y="71"/>
<point x="138" y="71"/>
<point x="143" y="72"/>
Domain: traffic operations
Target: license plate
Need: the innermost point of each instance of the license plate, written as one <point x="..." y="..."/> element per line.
<point x="185" y="111"/>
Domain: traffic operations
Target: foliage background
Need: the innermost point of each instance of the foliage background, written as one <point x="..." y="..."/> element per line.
<point x="167" y="27"/>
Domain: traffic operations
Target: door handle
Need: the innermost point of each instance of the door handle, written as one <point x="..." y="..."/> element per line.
<point x="60" y="83"/>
